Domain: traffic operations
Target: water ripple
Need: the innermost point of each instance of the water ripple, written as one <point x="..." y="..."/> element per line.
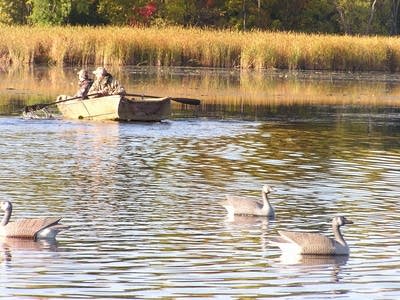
<point x="142" y="203"/>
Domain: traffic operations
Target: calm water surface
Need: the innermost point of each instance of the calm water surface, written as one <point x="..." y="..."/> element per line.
<point x="142" y="203"/>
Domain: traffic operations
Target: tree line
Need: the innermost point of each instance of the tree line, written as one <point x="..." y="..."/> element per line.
<point x="357" y="17"/>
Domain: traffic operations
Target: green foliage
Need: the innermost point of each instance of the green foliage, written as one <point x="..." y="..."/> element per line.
<point x="85" y="12"/>
<point x="319" y="16"/>
<point x="355" y="16"/>
<point x="119" y="12"/>
<point x="50" y="12"/>
<point x="5" y="14"/>
<point x="313" y="16"/>
<point x="176" y="10"/>
<point x="115" y="11"/>
<point x="382" y="21"/>
<point x="234" y="13"/>
<point x="14" y="12"/>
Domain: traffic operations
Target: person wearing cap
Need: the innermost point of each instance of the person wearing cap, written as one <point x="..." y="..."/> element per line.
<point x="105" y="84"/>
<point x="84" y="83"/>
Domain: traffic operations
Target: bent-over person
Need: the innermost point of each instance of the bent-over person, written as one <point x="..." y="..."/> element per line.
<point x="105" y="84"/>
<point x="84" y="84"/>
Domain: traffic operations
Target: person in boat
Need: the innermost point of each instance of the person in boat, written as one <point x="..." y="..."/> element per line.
<point x="84" y="83"/>
<point x="105" y="84"/>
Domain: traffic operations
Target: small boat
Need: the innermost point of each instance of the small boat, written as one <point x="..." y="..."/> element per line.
<point x="115" y="107"/>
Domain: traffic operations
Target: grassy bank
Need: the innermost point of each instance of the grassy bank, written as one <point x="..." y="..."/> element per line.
<point x="174" y="46"/>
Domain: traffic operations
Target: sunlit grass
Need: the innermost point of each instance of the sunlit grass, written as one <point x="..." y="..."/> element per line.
<point x="177" y="46"/>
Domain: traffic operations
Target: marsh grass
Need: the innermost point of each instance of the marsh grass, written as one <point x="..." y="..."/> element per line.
<point x="176" y="46"/>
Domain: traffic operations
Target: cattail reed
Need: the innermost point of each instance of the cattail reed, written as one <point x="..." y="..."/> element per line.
<point x="177" y="46"/>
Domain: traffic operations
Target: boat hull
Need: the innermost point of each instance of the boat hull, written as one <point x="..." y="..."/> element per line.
<point x="116" y="107"/>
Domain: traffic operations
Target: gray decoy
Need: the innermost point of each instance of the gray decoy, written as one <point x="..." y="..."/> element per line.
<point x="236" y="205"/>
<point x="297" y="242"/>
<point x="38" y="228"/>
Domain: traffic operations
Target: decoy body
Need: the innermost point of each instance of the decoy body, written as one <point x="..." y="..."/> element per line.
<point x="236" y="205"/>
<point x="40" y="228"/>
<point x="297" y="242"/>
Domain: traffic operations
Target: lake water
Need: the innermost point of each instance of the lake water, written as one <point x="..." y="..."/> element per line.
<point x="142" y="199"/>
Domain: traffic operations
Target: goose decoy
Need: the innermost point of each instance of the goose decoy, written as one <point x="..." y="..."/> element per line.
<point x="236" y="205"/>
<point x="40" y="228"/>
<point x="296" y="242"/>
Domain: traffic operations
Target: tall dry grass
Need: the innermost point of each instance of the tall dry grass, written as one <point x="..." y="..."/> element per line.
<point x="176" y="46"/>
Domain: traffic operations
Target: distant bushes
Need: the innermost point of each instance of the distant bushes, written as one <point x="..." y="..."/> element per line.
<point x="176" y="46"/>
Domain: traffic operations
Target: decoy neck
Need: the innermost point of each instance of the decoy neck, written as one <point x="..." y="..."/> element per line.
<point x="337" y="222"/>
<point x="264" y="193"/>
<point x="7" y="207"/>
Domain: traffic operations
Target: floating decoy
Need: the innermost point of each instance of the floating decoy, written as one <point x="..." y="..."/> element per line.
<point x="236" y="205"/>
<point x="297" y="242"/>
<point x="39" y="228"/>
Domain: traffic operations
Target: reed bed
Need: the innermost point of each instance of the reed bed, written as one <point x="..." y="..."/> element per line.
<point x="176" y="46"/>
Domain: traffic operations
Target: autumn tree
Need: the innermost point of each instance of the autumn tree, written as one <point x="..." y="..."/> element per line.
<point x="50" y="12"/>
<point x="85" y="12"/>
<point x="363" y="16"/>
<point x="14" y="12"/>
<point x="323" y="16"/>
<point x="394" y="16"/>
<point x="318" y="16"/>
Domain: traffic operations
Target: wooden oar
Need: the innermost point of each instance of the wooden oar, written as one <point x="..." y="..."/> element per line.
<point x="189" y="101"/>
<point x="40" y="106"/>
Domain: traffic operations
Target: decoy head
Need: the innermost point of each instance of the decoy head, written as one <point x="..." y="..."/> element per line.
<point x="267" y="189"/>
<point x="340" y="221"/>
<point x="6" y="205"/>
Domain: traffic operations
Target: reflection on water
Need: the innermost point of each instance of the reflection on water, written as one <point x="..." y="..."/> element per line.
<point x="244" y="221"/>
<point x="224" y="93"/>
<point x="142" y="204"/>
<point x="12" y="248"/>
<point x="307" y="267"/>
<point x="313" y="260"/>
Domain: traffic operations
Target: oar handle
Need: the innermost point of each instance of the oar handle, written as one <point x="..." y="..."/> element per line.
<point x="39" y="106"/>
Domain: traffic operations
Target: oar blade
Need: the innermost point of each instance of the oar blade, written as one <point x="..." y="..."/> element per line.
<point x="35" y="107"/>
<point x="188" y="101"/>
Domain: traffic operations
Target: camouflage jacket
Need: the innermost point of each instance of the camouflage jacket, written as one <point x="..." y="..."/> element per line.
<point x="84" y="86"/>
<point x="107" y="85"/>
